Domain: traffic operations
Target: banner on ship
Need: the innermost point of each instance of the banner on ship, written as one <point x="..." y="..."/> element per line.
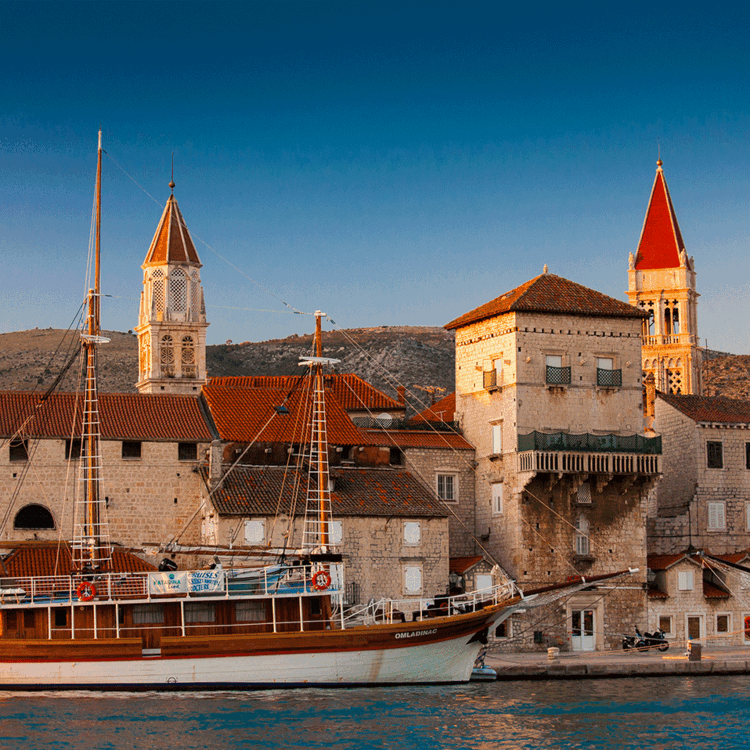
<point x="206" y="581"/>
<point x="167" y="583"/>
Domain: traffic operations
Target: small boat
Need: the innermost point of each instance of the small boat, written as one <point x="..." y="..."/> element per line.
<point x="102" y="619"/>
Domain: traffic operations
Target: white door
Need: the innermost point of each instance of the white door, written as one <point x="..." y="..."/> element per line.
<point x="582" y="630"/>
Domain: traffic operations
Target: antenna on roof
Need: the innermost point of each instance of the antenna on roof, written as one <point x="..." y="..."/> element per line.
<point x="658" y="153"/>
<point x="171" y="182"/>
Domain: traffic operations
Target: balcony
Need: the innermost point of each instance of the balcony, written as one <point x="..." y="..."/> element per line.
<point x="558" y="375"/>
<point x="562" y="452"/>
<point x="608" y="378"/>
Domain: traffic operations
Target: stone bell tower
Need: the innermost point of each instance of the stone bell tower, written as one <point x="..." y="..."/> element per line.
<point x="172" y="321"/>
<point x="661" y="281"/>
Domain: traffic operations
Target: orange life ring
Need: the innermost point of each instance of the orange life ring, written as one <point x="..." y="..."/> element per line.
<point x="86" y="591"/>
<point x="321" y="580"/>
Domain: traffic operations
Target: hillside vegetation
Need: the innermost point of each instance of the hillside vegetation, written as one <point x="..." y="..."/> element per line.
<point x="386" y="356"/>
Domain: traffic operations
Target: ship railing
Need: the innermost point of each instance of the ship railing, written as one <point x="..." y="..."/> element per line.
<point x="279" y="580"/>
<point x="414" y="609"/>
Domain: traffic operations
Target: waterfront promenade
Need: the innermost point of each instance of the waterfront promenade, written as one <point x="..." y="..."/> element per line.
<point x="601" y="664"/>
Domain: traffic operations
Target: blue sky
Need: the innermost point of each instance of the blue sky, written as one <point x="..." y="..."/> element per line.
<point x="392" y="163"/>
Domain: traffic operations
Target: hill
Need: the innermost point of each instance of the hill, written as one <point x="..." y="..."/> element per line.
<point x="386" y="356"/>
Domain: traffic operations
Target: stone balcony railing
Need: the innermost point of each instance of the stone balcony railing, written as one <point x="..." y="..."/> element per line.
<point x="669" y="338"/>
<point x="589" y="454"/>
<point x="574" y="462"/>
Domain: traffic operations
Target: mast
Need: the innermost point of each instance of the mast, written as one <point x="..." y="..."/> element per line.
<point x="316" y="534"/>
<point x="91" y="548"/>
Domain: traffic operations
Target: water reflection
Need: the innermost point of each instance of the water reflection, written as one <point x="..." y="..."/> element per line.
<point x="606" y="714"/>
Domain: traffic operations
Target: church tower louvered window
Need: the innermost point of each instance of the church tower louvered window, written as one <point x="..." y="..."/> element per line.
<point x="172" y="322"/>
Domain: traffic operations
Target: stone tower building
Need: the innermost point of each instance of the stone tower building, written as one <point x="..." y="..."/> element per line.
<point x="661" y="280"/>
<point x="172" y="321"/>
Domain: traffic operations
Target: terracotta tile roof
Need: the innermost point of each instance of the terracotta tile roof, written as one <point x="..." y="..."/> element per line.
<point x="135" y="416"/>
<point x="172" y="242"/>
<point x="462" y="564"/>
<point x="662" y="562"/>
<point x="418" y="439"/>
<point x="246" y="414"/>
<point x="735" y="558"/>
<point x="441" y="411"/>
<point x="710" y="408"/>
<point x="249" y="491"/>
<point x="661" y="239"/>
<point x="351" y="391"/>
<point x="550" y="294"/>
<point x="51" y="560"/>
<point x="656" y="593"/>
<point x="714" y="592"/>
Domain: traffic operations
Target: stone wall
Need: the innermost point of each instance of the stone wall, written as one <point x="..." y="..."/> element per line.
<point x="149" y="499"/>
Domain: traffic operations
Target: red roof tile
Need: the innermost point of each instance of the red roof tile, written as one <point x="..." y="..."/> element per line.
<point x="714" y="592"/>
<point x="554" y="295"/>
<point x="662" y="562"/>
<point x="53" y="559"/>
<point x="462" y="564"/>
<point x="661" y="239"/>
<point x="135" y="416"/>
<point x="442" y="411"/>
<point x="419" y="439"/>
<point x="245" y="415"/>
<point x="172" y="242"/>
<point x="266" y="491"/>
<point x="351" y="391"/>
<point x="710" y="408"/>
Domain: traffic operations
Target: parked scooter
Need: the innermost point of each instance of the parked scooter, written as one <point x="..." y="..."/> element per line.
<point x="646" y="641"/>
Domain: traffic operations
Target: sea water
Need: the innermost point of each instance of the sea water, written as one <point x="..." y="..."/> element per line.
<point x="663" y="713"/>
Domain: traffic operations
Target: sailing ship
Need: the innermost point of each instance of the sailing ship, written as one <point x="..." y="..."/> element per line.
<point x="111" y="623"/>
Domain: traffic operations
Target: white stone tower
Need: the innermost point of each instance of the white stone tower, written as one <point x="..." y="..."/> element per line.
<point x="661" y="280"/>
<point x="172" y="321"/>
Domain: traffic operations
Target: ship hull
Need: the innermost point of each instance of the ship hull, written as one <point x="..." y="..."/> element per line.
<point x="442" y="650"/>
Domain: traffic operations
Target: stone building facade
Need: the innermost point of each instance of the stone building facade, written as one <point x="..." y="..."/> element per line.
<point x="549" y="391"/>
<point x="151" y="448"/>
<point x="703" y="500"/>
<point x="661" y="281"/>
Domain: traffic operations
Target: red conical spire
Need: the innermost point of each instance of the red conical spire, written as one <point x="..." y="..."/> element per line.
<point x="661" y="241"/>
<point x="172" y="242"/>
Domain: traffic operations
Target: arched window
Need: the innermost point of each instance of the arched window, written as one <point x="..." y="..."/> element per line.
<point x="178" y="288"/>
<point x="157" y="291"/>
<point x="34" y="517"/>
<point x="166" y="356"/>
<point x="188" y="357"/>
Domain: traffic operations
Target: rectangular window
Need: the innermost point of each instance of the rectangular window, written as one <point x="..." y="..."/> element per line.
<point x="200" y="612"/>
<point x="665" y="624"/>
<point x="335" y="532"/>
<point x="497" y="438"/>
<point x="717" y="516"/>
<point x="714" y="455"/>
<point x="583" y="546"/>
<point x="412" y="532"/>
<point x="412" y="580"/>
<point x="746" y="626"/>
<point x="555" y="373"/>
<point x="148" y="614"/>
<point x="447" y="488"/>
<point x="747" y="455"/>
<point x="606" y="375"/>
<point x="584" y="494"/>
<point x="250" y="611"/>
<point x="19" y="450"/>
<point x="685" y="580"/>
<point x="497" y="499"/>
<point x="73" y="449"/>
<point x="747" y="516"/>
<point x="724" y="623"/>
<point x="131" y="448"/>
<point x="187" y="451"/>
<point x="255" y="531"/>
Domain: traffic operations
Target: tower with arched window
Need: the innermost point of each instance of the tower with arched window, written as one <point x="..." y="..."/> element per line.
<point x="661" y="281"/>
<point x="172" y="321"/>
